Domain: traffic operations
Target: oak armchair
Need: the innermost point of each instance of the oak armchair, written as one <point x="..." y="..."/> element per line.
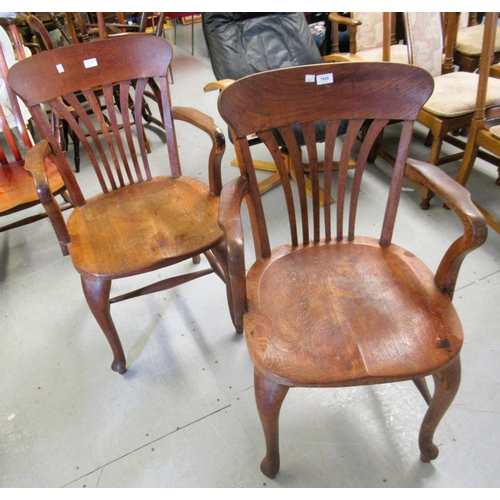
<point x="329" y="307"/>
<point x="139" y="221"/>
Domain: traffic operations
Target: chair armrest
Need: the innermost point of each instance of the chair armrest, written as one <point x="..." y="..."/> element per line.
<point x="218" y="85"/>
<point x="35" y="165"/>
<point x="349" y="21"/>
<point x="458" y="199"/>
<point x="231" y="200"/>
<point x="495" y="71"/>
<point x="206" y="123"/>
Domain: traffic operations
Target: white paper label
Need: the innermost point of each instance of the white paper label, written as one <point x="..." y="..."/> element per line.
<point x="90" y="63"/>
<point x="60" y="68"/>
<point x="310" y="78"/>
<point x="324" y="79"/>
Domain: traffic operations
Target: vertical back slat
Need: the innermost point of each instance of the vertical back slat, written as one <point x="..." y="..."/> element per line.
<point x="297" y="171"/>
<point x="373" y="132"/>
<point x="140" y="85"/>
<point x="127" y="125"/>
<point x="269" y="140"/>
<point x="330" y="141"/>
<point x="175" y="166"/>
<point x="255" y="208"/>
<point x="108" y="92"/>
<point x="107" y="133"/>
<point x="309" y="133"/>
<point x="349" y="141"/>
<point x="396" y="183"/>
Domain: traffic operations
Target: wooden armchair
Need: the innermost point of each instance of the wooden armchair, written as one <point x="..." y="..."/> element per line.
<point x="140" y="221"/>
<point x="332" y="308"/>
<point x="17" y="188"/>
<point x="481" y="135"/>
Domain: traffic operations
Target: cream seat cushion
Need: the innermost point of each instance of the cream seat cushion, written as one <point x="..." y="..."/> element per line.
<point x="470" y="40"/>
<point x="455" y="94"/>
<point x="495" y="131"/>
<point x="399" y="54"/>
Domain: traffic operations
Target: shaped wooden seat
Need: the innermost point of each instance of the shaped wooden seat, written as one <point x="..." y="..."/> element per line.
<point x="139" y="221"/>
<point x="332" y="308"/>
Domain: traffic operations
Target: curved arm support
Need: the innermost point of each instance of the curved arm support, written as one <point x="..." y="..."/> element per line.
<point x="349" y="21"/>
<point x="218" y="85"/>
<point x="343" y="58"/>
<point x="35" y="165"/>
<point x="206" y="123"/>
<point x="231" y="199"/>
<point x="458" y="199"/>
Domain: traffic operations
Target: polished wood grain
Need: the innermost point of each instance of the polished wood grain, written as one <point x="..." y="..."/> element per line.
<point x="139" y="221"/>
<point x="334" y="308"/>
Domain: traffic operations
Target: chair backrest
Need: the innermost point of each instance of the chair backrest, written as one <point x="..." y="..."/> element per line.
<point x="244" y="43"/>
<point x="112" y="69"/>
<point x="369" y="34"/>
<point x="488" y="48"/>
<point x="40" y="31"/>
<point x="425" y="40"/>
<point x="365" y="94"/>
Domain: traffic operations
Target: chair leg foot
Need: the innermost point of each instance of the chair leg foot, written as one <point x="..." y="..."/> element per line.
<point x="425" y="204"/>
<point x="97" y="295"/>
<point x="446" y="384"/>
<point x="269" y="397"/>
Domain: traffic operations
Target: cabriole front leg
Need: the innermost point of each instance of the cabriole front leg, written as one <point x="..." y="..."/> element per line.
<point x="446" y="384"/>
<point x="269" y="397"/>
<point x="97" y="294"/>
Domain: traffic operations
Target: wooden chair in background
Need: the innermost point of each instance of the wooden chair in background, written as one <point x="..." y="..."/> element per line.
<point x="45" y="42"/>
<point x="481" y="135"/>
<point x="450" y="108"/>
<point x="17" y="188"/>
<point x="468" y="42"/>
<point x="332" y="308"/>
<point x="140" y="221"/>
<point x="371" y="36"/>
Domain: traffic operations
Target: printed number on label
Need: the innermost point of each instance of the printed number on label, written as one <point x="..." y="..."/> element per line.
<point x="324" y="79"/>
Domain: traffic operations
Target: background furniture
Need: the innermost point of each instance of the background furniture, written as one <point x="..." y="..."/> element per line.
<point x="331" y="308"/>
<point x="468" y="42"/>
<point x="372" y="36"/>
<point x="481" y="135"/>
<point x="140" y="221"/>
<point x="244" y="43"/>
<point x="17" y="189"/>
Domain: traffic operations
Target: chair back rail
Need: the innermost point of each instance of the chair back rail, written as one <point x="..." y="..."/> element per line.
<point x="368" y="95"/>
<point x="74" y="80"/>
